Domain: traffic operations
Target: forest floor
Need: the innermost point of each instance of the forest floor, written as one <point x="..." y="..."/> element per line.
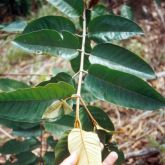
<point x="143" y="137"/>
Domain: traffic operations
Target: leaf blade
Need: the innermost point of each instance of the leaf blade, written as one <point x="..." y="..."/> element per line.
<point x="11" y="84"/>
<point x="118" y="58"/>
<point x="122" y="89"/>
<point x="57" y="23"/>
<point x="49" y="42"/>
<point x="69" y="7"/>
<point x="31" y="101"/>
<point x="110" y="27"/>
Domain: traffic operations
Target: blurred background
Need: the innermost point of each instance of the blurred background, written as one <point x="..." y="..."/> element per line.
<point x="143" y="137"/>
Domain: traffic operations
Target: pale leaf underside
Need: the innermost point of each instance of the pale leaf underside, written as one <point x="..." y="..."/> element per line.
<point x="86" y="145"/>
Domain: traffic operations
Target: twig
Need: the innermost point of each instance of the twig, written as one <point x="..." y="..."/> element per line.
<point x="90" y="115"/>
<point x="147" y="152"/>
<point x="88" y="54"/>
<point x="6" y="133"/>
<point x="75" y="74"/>
<point x="77" y="121"/>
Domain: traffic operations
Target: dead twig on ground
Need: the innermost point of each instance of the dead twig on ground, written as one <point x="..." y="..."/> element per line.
<point x="147" y="152"/>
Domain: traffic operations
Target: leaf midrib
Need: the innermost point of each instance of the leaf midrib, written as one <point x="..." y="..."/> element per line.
<point x="84" y="146"/>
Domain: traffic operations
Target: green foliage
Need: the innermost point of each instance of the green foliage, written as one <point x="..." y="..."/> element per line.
<point x="57" y="23"/>
<point x="126" y="12"/>
<point x="14" y="27"/>
<point x="11" y="85"/>
<point x="21" y="104"/>
<point x="49" y="42"/>
<point x="106" y="28"/>
<point x="105" y="71"/>
<point x="69" y="8"/>
<point x="17" y="147"/>
<point x="118" y="58"/>
<point x="122" y="89"/>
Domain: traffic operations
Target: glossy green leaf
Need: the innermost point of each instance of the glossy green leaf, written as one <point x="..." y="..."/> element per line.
<point x="59" y="126"/>
<point x="17" y="26"/>
<point x="62" y="76"/>
<point x="28" y="105"/>
<point x="11" y="85"/>
<point x="111" y="27"/>
<point x="31" y="132"/>
<point x="49" y="42"/>
<point x="122" y="89"/>
<point x="22" y="128"/>
<point x="57" y="23"/>
<point x="61" y="149"/>
<point x="49" y="158"/>
<point x="99" y="10"/>
<point x="126" y="11"/>
<point x="75" y="63"/>
<point x="118" y="58"/>
<point x="16" y="147"/>
<point x="51" y="142"/>
<point x="100" y="116"/>
<point x="26" y="158"/>
<point x="70" y="8"/>
<point x="87" y="96"/>
<point x="17" y="125"/>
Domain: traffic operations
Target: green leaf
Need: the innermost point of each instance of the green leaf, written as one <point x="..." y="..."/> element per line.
<point x="22" y="128"/>
<point x="57" y="23"/>
<point x="31" y="132"/>
<point x="126" y="11"/>
<point x="99" y="10"/>
<point x="59" y="126"/>
<point x="75" y="63"/>
<point x="17" y="125"/>
<point x="70" y="8"/>
<point x="122" y="89"/>
<point x="49" y="158"/>
<point x="49" y="42"/>
<point x="87" y="96"/>
<point x="16" y="147"/>
<point x="61" y="149"/>
<point x="110" y="27"/>
<point x="62" y="76"/>
<point x="17" y="26"/>
<point x="11" y="85"/>
<point x="25" y="158"/>
<point x="28" y="105"/>
<point x="100" y="116"/>
<point x="51" y="142"/>
<point x="118" y="58"/>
